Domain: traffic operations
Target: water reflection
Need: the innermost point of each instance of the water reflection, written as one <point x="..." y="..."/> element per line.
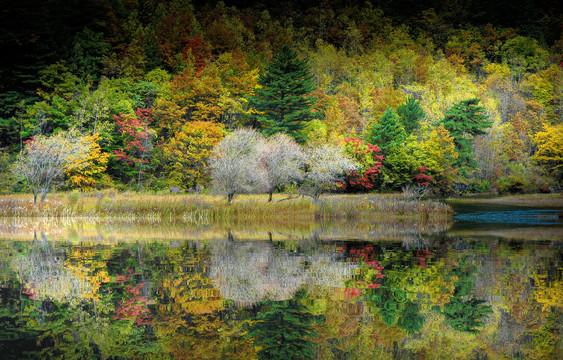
<point x="519" y="217"/>
<point x="425" y="297"/>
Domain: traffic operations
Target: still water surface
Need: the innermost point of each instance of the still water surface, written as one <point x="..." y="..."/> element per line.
<point x="457" y="293"/>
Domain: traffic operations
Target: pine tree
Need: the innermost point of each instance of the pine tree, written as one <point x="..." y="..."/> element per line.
<point x="410" y="113"/>
<point x="388" y="132"/>
<point x="464" y="120"/>
<point x="461" y="313"/>
<point x="284" y="331"/>
<point x="282" y="102"/>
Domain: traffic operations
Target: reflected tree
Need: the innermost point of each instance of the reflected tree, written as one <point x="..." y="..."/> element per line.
<point x="284" y="330"/>
<point x="461" y="313"/>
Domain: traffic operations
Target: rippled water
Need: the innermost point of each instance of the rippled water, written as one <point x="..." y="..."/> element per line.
<point x="443" y="295"/>
<point x="517" y="217"/>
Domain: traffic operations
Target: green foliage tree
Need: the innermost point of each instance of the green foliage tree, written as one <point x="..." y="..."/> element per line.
<point x="388" y="132"/>
<point x="284" y="331"/>
<point x="410" y="114"/>
<point x="466" y="315"/>
<point x="463" y="312"/>
<point x="464" y="121"/>
<point x="282" y="101"/>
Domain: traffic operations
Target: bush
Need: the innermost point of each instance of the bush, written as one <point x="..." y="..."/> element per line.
<point x="512" y="184"/>
<point x="477" y="186"/>
<point x="7" y="179"/>
<point x="73" y="197"/>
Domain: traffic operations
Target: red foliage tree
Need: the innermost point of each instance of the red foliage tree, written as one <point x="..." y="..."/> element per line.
<point x="422" y="178"/>
<point x="369" y="158"/>
<point x="199" y="50"/>
<point x="137" y="138"/>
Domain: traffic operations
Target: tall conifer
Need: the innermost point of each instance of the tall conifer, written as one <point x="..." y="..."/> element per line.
<point x="464" y="120"/>
<point x="283" y="101"/>
<point x="410" y="113"/>
<point x="388" y="132"/>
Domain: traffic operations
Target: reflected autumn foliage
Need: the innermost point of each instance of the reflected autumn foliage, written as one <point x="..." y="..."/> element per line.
<point x="230" y="298"/>
<point x="48" y="275"/>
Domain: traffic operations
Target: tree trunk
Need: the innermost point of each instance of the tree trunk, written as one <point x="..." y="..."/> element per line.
<point x="44" y="194"/>
<point x="270" y="197"/>
<point x="230" y="197"/>
<point x="139" y="178"/>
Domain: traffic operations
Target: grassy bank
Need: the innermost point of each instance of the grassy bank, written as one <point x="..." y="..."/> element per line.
<point x="207" y="209"/>
<point x="531" y="200"/>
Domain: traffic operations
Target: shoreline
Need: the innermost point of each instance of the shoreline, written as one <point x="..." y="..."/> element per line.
<point x="554" y="200"/>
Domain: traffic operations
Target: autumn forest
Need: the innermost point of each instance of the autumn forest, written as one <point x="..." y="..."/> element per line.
<point x="454" y="96"/>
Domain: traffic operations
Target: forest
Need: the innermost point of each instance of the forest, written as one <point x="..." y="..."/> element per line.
<point x="452" y="96"/>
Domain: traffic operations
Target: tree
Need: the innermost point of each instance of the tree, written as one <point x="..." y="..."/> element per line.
<point x="83" y="172"/>
<point x="388" y="132"/>
<point x="189" y="151"/>
<point x="410" y="114"/>
<point x="284" y="331"/>
<point x="282" y="100"/>
<point x="44" y="161"/>
<point x="464" y="121"/>
<point x="283" y="160"/>
<point x="235" y="164"/>
<point x="325" y="167"/>
<point x="550" y="148"/>
<point x="138" y="139"/>
<point x="439" y="155"/>
<point x="369" y="161"/>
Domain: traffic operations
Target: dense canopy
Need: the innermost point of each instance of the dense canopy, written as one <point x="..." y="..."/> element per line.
<point x="141" y="77"/>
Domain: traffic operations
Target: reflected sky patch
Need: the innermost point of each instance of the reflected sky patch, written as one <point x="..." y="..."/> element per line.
<point x="520" y="217"/>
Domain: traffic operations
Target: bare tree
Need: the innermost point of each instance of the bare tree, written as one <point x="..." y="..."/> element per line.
<point x="325" y="167"/>
<point x="283" y="160"/>
<point x="235" y="164"/>
<point x="44" y="160"/>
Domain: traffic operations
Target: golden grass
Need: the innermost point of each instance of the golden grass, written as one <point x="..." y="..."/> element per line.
<point x="531" y="200"/>
<point x="198" y="208"/>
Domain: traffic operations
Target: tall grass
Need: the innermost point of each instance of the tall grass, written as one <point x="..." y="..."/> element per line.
<point x="198" y="208"/>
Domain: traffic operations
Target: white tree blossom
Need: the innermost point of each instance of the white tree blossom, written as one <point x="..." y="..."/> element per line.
<point x="44" y="160"/>
<point x="235" y="164"/>
<point x="283" y="159"/>
<point x="325" y="167"/>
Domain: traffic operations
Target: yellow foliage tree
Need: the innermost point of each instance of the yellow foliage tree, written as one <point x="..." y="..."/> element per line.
<point x="550" y="148"/>
<point x="439" y="150"/>
<point x="83" y="172"/>
<point x="189" y="150"/>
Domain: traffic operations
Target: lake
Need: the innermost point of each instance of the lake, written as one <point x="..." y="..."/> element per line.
<point x="486" y="285"/>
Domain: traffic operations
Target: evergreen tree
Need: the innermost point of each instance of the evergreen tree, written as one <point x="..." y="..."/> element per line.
<point x="282" y="101"/>
<point x="388" y="132"/>
<point x="464" y="120"/>
<point x="410" y="113"/>
<point x="461" y="313"/>
<point x="284" y="331"/>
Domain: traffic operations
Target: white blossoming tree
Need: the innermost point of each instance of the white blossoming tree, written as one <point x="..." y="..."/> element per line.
<point x="236" y="166"/>
<point x="283" y="159"/>
<point x="45" y="159"/>
<point x="325" y="168"/>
